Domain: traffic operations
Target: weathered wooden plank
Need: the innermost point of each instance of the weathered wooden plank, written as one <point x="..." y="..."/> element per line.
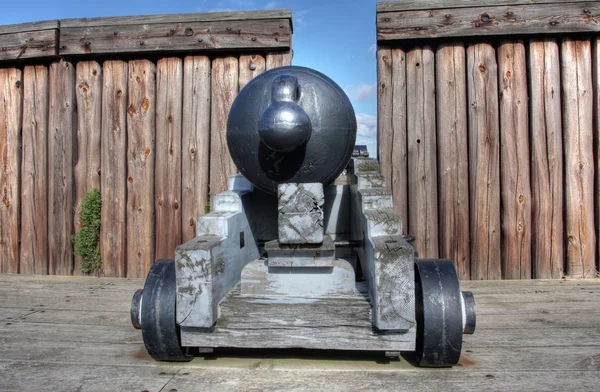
<point x="113" y="244"/>
<point x="11" y="109"/>
<point x="250" y="66"/>
<point x="579" y="159"/>
<point x="167" y="182"/>
<point x="561" y="17"/>
<point x="278" y="59"/>
<point x="34" y="165"/>
<point x="224" y="88"/>
<point x="514" y="156"/>
<point x="453" y="163"/>
<point x="484" y="171"/>
<point x="88" y="92"/>
<point x="165" y="37"/>
<point x="176" y="18"/>
<point x="399" y="172"/>
<point x="62" y="125"/>
<point x="413" y="5"/>
<point x="195" y="142"/>
<point x="28" y="45"/>
<point x="141" y="130"/>
<point x="385" y="109"/>
<point x="32" y="26"/>
<point x="596" y="109"/>
<point x="546" y="160"/>
<point x="422" y="163"/>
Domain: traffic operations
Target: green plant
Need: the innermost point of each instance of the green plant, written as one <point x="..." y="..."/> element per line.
<point x="87" y="241"/>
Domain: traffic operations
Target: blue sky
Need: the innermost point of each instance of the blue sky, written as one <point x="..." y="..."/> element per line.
<point x="336" y="37"/>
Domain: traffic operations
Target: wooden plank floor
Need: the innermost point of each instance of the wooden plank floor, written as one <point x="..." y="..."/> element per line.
<point x="74" y="334"/>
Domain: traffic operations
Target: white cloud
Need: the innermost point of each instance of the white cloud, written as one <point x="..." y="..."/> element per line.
<point x="299" y="18"/>
<point x="361" y="92"/>
<point x="366" y="125"/>
<point x="271" y="5"/>
<point x="372" y="49"/>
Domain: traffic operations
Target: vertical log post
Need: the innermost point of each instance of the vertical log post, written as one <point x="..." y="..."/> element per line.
<point x="61" y="186"/>
<point x="484" y="171"/>
<point x="399" y="153"/>
<point x="546" y="160"/>
<point x="34" y="178"/>
<point x="88" y="92"/>
<point x="579" y="157"/>
<point x="422" y="164"/>
<point x="11" y="106"/>
<point x="195" y="142"/>
<point x="250" y="67"/>
<point x="141" y="152"/>
<point x="114" y="166"/>
<point x="385" y="104"/>
<point x="167" y="191"/>
<point x="453" y="162"/>
<point x="224" y="88"/>
<point x="514" y="159"/>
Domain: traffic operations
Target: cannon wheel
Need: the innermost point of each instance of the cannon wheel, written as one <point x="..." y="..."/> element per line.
<point x="159" y="328"/>
<point x="439" y="313"/>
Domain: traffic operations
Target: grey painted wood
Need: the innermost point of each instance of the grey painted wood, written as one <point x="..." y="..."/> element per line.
<point x="560" y="17"/>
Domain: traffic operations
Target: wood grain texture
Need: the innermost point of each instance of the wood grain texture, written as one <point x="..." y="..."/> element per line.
<point x="385" y="105"/>
<point x="547" y="189"/>
<point x="422" y="147"/>
<point x="31" y="26"/>
<point x="411" y="5"/>
<point x="224" y="88"/>
<point x="88" y="92"/>
<point x="278" y="59"/>
<point x="167" y="182"/>
<point x="28" y="45"/>
<point x="113" y="244"/>
<point x="141" y="152"/>
<point x="34" y="166"/>
<point x="561" y="17"/>
<point x="579" y="156"/>
<point x="596" y="108"/>
<point x="176" y="18"/>
<point x="399" y="170"/>
<point x="514" y="160"/>
<point x="195" y="142"/>
<point x="453" y="162"/>
<point x="61" y="185"/>
<point x="251" y="65"/>
<point x="239" y="34"/>
<point x="484" y="171"/>
<point x="11" y="109"/>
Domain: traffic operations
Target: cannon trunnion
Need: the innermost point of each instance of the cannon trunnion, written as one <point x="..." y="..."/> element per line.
<point x="304" y="249"/>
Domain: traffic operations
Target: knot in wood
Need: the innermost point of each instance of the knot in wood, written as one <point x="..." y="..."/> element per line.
<point x="481" y="68"/>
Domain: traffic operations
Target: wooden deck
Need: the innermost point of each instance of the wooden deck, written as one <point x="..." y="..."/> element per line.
<point x="74" y="334"/>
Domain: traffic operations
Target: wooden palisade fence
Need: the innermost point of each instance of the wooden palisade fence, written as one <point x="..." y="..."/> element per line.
<point x="488" y="126"/>
<point x="135" y="106"/>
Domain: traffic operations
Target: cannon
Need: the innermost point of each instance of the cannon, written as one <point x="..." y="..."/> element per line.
<point x="304" y="249"/>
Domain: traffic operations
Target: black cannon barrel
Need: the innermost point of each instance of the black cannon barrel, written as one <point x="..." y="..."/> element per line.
<point x="291" y="124"/>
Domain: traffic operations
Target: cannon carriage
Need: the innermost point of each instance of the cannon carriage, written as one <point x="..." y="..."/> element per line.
<point x="304" y="249"/>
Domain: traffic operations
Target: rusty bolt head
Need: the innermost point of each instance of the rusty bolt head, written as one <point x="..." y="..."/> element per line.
<point x="485" y="18"/>
<point x="87" y="43"/>
<point x="18" y="84"/>
<point x="4" y="49"/>
<point x="229" y="29"/>
<point x="200" y="39"/>
<point x="448" y="16"/>
<point x="115" y="33"/>
<point x="188" y="32"/>
<point x="172" y="30"/>
<point x="252" y="66"/>
<point x="141" y="43"/>
<point x="253" y="38"/>
<point x="281" y="26"/>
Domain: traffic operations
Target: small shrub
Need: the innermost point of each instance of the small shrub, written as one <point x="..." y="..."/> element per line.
<point x="87" y="241"/>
